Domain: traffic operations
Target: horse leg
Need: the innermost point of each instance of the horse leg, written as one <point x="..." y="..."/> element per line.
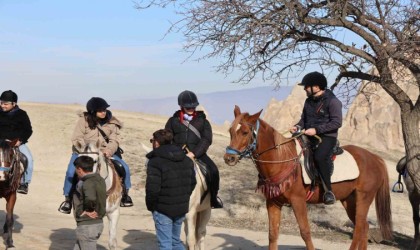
<point x="189" y="228"/>
<point x="301" y="215"/>
<point x="201" y="227"/>
<point x="274" y="218"/>
<point x="362" y="202"/>
<point x="113" y="217"/>
<point x="415" y="203"/>
<point x="8" y="224"/>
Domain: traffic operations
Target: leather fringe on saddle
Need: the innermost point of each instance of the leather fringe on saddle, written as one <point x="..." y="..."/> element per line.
<point x="274" y="187"/>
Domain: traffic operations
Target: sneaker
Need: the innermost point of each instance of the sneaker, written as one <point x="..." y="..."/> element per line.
<point x="329" y="198"/>
<point x="217" y="203"/>
<point x="65" y="207"/>
<point x="126" y="201"/>
<point x="23" y="188"/>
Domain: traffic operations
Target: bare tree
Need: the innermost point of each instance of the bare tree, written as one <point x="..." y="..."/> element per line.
<point x="372" y="40"/>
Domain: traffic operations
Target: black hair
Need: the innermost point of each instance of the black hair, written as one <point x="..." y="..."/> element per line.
<point x="163" y="136"/>
<point x="84" y="162"/>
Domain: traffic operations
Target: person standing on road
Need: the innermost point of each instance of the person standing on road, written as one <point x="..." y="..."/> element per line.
<point x="169" y="183"/>
<point x="89" y="202"/>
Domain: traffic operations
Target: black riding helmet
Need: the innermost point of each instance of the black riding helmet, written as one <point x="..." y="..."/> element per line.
<point x="187" y="99"/>
<point x="9" y="96"/>
<point x="95" y="104"/>
<point x="314" y="79"/>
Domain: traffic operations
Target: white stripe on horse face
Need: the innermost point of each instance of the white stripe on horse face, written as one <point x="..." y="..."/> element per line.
<point x="238" y="127"/>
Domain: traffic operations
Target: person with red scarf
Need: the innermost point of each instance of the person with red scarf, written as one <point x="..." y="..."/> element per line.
<point x="192" y="131"/>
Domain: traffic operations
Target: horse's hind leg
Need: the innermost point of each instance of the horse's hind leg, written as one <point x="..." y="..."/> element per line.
<point x="201" y="227"/>
<point x="415" y="203"/>
<point x="189" y="228"/>
<point x="113" y="218"/>
<point x="359" y="203"/>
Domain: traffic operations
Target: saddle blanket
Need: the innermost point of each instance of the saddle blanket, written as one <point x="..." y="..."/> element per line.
<point x="345" y="167"/>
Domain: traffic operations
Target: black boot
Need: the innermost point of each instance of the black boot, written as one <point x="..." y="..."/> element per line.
<point x="126" y="200"/>
<point x="65" y="206"/>
<point x="216" y="202"/>
<point x="329" y="198"/>
<point x="23" y="188"/>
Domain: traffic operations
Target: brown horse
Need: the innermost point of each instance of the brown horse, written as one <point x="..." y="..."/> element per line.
<point x="10" y="174"/>
<point x="277" y="162"/>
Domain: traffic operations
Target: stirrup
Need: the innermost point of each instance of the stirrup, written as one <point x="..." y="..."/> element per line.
<point x="63" y="208"/>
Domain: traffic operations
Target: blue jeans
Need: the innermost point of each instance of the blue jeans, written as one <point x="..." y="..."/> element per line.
<point x="168" y="231"/>
<point x="71" y="170"/>
<point x="30" y="168"/>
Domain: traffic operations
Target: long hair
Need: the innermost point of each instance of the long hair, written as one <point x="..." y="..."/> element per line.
<point x="91" y="119"/>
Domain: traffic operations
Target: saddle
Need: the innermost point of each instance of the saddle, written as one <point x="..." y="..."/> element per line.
<point x="308" y="153"/>
<point x="119" y="168"/>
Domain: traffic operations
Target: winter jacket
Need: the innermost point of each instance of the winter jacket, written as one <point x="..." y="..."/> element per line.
<point x="90" y="196"/>
<point x="170" y="181"/>
<point x="15" y="124"/>
<point x="322" y="113"/>
<point x="83" y="134"/>
<point x="185" y="136"/>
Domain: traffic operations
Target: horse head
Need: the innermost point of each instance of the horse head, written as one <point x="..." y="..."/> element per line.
<point x="8" y="157"/>
<point x="243" y="136"/>
<point x="92" y="150"/>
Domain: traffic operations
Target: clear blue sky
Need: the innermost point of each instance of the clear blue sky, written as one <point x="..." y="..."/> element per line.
<point x="68" y="51"/>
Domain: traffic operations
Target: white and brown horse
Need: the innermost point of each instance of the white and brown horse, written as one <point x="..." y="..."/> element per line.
<point x="106" y="169"/>
<point x="199" y="212"/>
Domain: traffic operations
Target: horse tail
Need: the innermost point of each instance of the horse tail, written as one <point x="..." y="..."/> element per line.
<point x="383" y="205"/>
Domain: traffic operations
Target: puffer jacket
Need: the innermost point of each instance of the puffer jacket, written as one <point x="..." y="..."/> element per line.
<point x="170" y="181"/>
<point x="185" y="136"/>
<point x="83" y="135"/>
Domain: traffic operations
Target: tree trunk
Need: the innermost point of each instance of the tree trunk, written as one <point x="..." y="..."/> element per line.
<point x="410" y="126"/>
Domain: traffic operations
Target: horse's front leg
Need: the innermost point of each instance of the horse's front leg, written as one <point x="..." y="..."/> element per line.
<point x="8" y="224"/>
<point x="274" y="218"/>
<point x="113" y="215"/>
<point x="301" y="214"/>
<point x="415" y="204"/>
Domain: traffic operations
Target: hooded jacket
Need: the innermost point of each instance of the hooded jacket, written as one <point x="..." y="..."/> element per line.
<point x="170" y="181"/>
<point x="322" y="113"/>
<point x="15" y="124"/>
<point x="111" y="126"/>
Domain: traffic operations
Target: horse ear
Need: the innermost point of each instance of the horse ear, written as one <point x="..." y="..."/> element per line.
<point x="78" y="146"/>
<point x="12" y="143"/>
<point x="98" y="144"/>
<point x="237" y="111"/>
<point x="253" y="118"/>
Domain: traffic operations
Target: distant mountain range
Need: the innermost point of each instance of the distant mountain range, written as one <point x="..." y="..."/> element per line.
<point x="218" y="105"/>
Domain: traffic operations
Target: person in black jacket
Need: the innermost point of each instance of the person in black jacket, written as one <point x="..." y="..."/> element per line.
<point x="15" y="124"/>
<point x="322" y="116"/>
<point x="193" y="132"/>
<point x="169" y="183"/>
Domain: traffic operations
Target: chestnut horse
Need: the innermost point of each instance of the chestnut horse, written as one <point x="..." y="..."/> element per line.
<point x="277" y="162"/>
<point x="107" y="171"/>
<point x="10" y="173"/>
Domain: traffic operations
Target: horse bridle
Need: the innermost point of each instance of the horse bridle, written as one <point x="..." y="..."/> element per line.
<point x="247" y="152"/>
<point x="14" y="159"/>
